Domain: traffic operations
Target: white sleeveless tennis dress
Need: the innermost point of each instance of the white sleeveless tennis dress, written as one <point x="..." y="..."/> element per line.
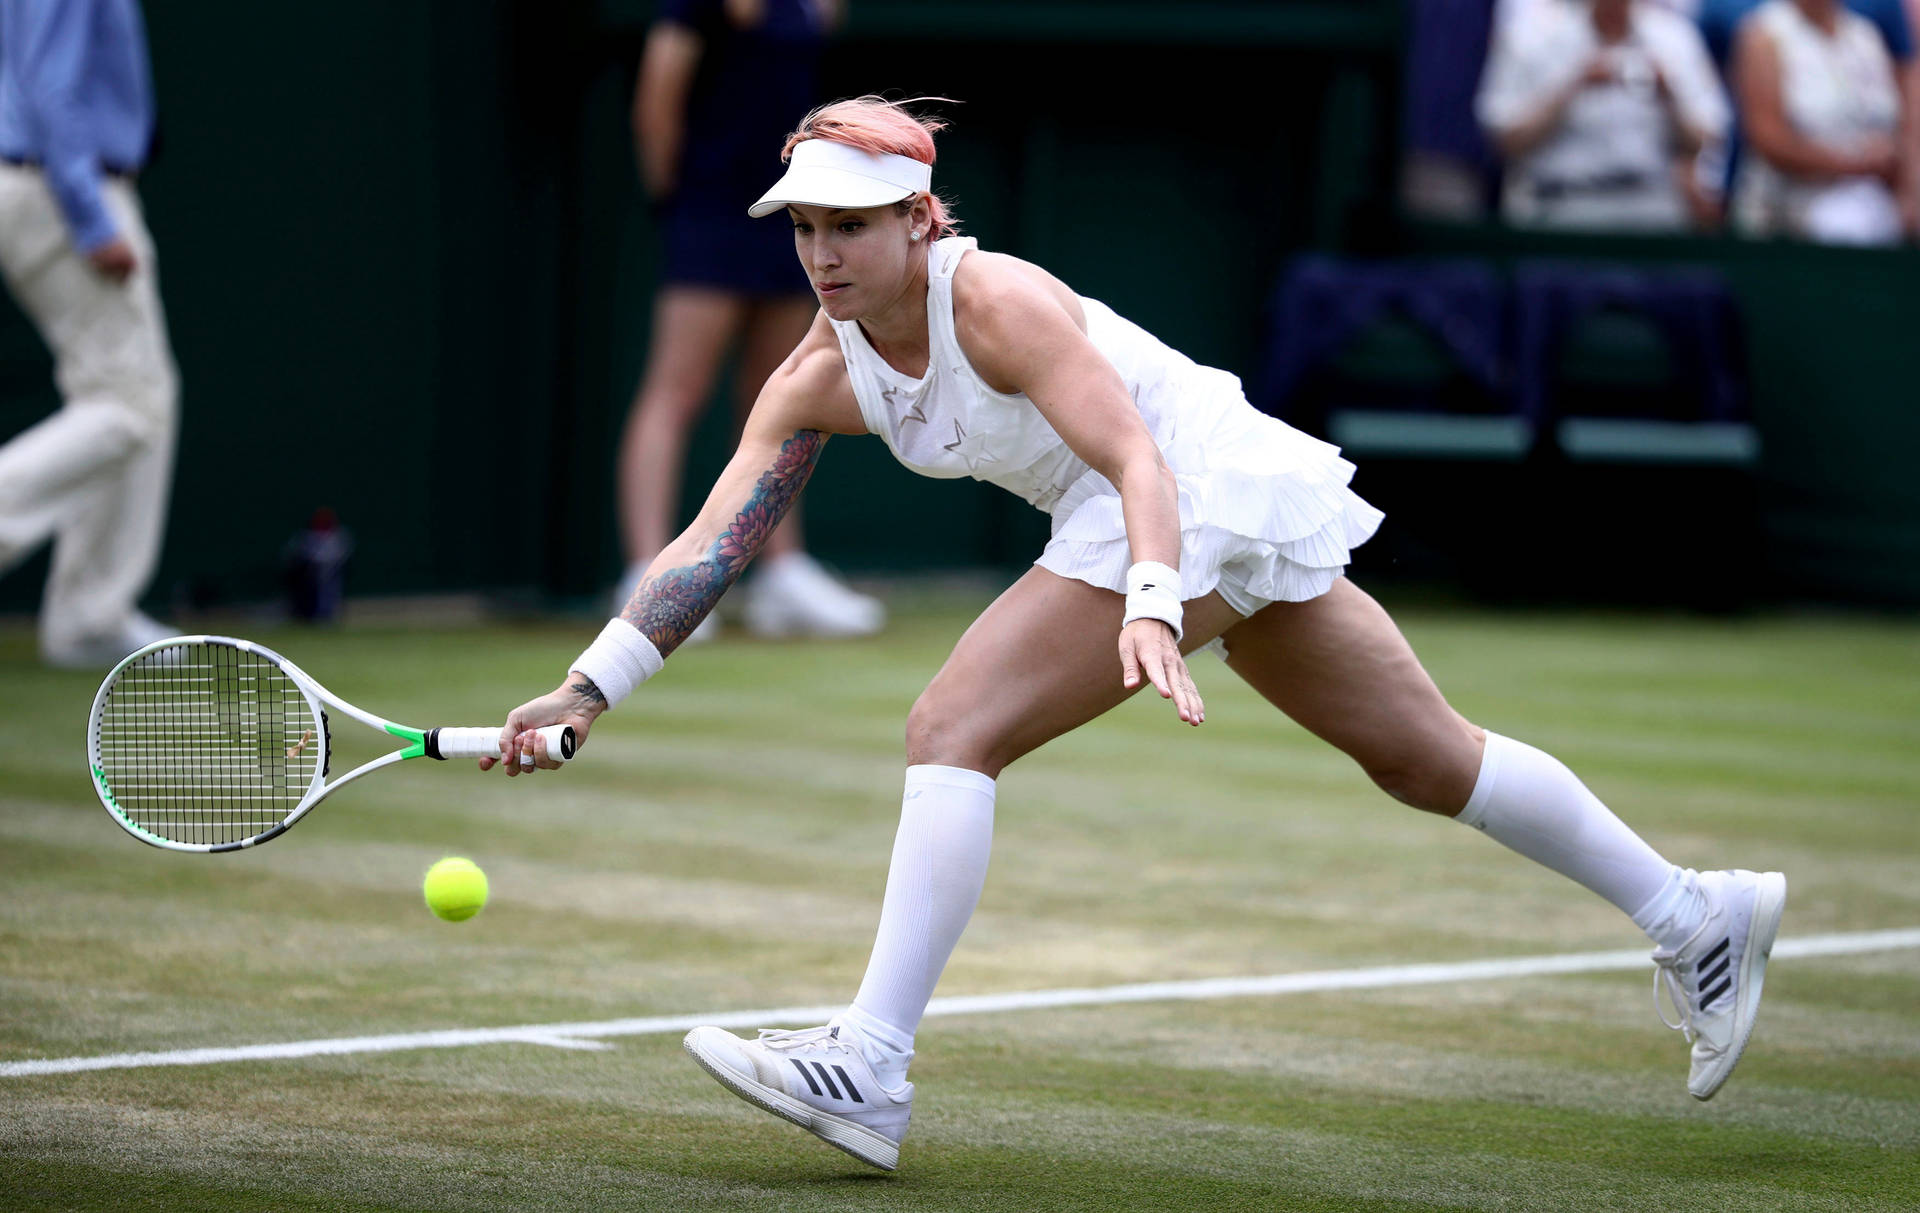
<point x="1265" y="511"/>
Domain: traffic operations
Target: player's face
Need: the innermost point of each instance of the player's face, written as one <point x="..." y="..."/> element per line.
<point x="858" y="261"/>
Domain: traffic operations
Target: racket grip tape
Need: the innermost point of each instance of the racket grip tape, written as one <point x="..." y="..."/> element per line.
<point x="485" y="743"/>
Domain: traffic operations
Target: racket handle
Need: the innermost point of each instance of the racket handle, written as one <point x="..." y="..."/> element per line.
<point x="485" y="743"/>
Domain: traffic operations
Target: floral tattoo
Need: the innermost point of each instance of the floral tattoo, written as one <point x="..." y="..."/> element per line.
<point x="667" y="608"/>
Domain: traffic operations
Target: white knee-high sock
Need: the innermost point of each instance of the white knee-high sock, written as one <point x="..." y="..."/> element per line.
<point x="939" y="867"/>
<point x="1529" y="801"/>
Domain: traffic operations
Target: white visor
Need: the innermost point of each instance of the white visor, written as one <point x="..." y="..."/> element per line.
<point x="824" y="173"/>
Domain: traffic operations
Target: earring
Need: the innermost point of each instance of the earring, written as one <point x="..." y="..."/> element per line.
<point x="913" y="235"/>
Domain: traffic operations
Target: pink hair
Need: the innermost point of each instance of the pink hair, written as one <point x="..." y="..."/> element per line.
<point x="880" y="127"/>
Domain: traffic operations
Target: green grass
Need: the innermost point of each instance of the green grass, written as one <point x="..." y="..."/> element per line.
<point x="722" y="844"/>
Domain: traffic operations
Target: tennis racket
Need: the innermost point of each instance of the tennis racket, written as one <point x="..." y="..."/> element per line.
<point x="207" y="743"/>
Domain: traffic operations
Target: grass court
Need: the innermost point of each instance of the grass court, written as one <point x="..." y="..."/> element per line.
<point x="722" y="844"/>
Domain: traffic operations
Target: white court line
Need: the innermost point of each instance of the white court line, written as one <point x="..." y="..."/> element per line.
<point x="587" y="1035"/>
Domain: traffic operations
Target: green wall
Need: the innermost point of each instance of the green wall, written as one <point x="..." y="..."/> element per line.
<point x="1831" y="338"/>
<point x="362" y="214"/>
<point x="408" y="269"/>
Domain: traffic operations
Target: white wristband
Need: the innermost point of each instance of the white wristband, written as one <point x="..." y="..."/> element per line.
<point x="1153" y="592"/>
<point x="618" y="660"/>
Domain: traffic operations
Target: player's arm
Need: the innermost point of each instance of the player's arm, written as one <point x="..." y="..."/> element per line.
<point x="802" y="402"/>
<point x="1016" y="328"/>
<point x="777" y="454"/>
<point x="1019" y="335"/>
<point x="807" y="398"/>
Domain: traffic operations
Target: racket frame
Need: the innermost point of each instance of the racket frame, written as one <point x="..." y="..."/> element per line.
<point x="317" y="790"/>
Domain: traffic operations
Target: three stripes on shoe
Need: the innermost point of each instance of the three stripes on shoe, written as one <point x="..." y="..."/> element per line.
<point x="853" y="1092"/>
<point x="1710" y="973"/>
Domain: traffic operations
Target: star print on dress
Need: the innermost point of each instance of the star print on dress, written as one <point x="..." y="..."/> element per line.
<point x="916" y="413"/>
<point x="970" y="447"/>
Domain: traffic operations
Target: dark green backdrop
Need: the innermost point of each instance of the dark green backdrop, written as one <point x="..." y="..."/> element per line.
<point x="407" y="271"/>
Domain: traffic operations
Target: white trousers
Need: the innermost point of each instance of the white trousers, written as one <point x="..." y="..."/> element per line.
<point x="95" y="476"/>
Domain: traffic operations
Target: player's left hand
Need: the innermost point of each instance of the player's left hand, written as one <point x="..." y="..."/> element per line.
<point x="518" y="740"/>
<point x="1147" y="646"/>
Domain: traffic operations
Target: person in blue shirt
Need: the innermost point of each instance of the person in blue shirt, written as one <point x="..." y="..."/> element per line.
<point x="76" y="125"/>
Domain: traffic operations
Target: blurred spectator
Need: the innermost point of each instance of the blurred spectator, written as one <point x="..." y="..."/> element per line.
<point x="315" y="564"/>
<point x="1896" y="21"/>
<point x="1603" y="109"/>
<point x="1506" y="10"/>
<point x="1910" y="120"/>
<point x="722" y="82"/>
<point x="1821" y="108"/>
<point x="1720" y="19"/>
<point x="76" y="124"/>
<point x="1449" y="170"/>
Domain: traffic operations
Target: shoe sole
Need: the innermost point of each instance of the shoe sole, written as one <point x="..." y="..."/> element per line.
<point x="1770" y="899"/>
<point x="863" y="1143"/>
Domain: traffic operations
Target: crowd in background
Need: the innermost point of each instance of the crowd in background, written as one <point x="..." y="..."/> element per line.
<point x="1772" y="118"/>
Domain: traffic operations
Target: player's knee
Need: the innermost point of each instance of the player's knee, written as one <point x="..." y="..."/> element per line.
<point x="1405" y="782"/>
<point x="938" y="732"/>
<point x="1436" y="779"/>
<point x="928" y="726"/>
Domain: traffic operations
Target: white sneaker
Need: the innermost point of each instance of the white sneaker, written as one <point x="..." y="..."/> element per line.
<point x="107" y="648"/>
<point x="817" y="1081"/>
<point x="1714" y="979"/>
<point x="707" y="629"/>
<point x="792" y="595"/>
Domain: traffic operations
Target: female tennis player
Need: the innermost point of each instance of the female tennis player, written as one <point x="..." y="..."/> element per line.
<point x="1182" y="519"/>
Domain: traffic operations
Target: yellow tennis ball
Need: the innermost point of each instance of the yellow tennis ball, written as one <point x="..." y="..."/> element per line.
<point x="456" y="889"/>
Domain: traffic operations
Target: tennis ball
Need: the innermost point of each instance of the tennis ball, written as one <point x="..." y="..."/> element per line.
<point x="456" y="889"/>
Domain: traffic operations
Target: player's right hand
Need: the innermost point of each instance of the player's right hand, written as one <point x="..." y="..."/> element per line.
<point x="575" y="702"/>
<point x="1148" y="647"/>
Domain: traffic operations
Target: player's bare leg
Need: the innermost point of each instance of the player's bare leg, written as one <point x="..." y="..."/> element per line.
<point x="1339" y="666"/>
<point x="1042" y="660"/>
<point x="1039" y="662"/>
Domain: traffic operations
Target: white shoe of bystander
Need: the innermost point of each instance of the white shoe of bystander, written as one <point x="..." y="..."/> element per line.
<point x="791" y="595"/>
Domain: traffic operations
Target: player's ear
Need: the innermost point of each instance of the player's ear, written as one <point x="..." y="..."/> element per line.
<point x="920" y="219"/>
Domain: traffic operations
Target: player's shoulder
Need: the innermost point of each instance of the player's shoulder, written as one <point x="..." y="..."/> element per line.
<point x="818" y="358"/>
<point x="812" y="388"/>
<point x="995" y="291"/>
<point x="983" y="272"/>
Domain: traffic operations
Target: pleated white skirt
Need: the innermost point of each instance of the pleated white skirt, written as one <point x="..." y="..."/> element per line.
<point x="1265" y="511"/>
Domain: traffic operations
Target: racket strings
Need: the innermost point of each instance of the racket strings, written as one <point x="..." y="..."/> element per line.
<point x="207" y="744"/>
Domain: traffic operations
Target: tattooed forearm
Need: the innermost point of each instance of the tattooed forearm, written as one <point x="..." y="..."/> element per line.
<point x="668" y="607"/>
<point x="588" y="694"/>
